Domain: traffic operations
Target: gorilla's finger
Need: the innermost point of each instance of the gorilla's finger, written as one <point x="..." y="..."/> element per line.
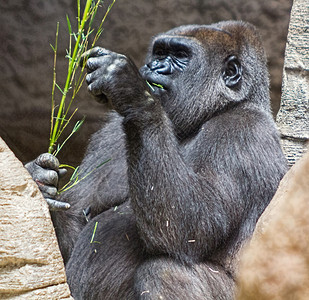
<point x="48" y="161"/>
<point x="89" y="78"/>
<point x="94" y="63"/>
<point x="62" y="172"/>
<point x="94" y="52"/>
<point x="48" y="191"/>
<point x="47" y="177"/>
<point x="57" y="205"/>
<point x="95" y="89"/>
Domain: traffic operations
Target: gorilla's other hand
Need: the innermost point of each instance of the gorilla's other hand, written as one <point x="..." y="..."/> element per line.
<point x="45" y="172"/>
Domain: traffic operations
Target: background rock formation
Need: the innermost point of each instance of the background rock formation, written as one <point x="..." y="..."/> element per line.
<point x="276" y="263"/>
<point x="293" y="117"/>
<point x="28" y="27"/>
<point x="31" y="266"/>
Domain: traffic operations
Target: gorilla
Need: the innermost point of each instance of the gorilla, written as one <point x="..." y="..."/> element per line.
<point x="194" y="159"/>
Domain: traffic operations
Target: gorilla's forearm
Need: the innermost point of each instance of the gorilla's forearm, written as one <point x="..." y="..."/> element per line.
<point x="162" y="185"/>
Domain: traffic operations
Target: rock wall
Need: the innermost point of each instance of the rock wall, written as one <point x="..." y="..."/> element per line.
<point x="293" y="116"/>
<point x="28" y="27"/>
<point x="31" y="266"/>
<point x="275" y="265"/>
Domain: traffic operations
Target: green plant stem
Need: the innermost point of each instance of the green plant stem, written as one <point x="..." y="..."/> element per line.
<point x="60" y="119"/>
<point x="54" y="84"/>
<point x="101" y="25"/>
<point x="75" y="179"/>
<point x="68" y="80"/>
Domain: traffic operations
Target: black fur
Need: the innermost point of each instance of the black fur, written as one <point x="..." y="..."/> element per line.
<point x="193" y="165"/>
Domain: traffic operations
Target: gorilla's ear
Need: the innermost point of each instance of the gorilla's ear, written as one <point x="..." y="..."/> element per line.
<point x="232" y="71"/>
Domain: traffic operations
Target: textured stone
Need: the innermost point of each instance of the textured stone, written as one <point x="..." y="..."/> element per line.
<point x="31" y="266"/>
<point x="275" y="265"/>
<point x="293" y="116"/>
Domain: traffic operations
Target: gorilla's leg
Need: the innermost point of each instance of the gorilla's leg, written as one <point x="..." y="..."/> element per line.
<point x="105" y="257"/>
<point x="164" y="278"/>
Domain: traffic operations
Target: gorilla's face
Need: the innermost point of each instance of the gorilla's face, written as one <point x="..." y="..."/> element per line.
<point x="185" y="72"/>
<point x="167" y="60"/>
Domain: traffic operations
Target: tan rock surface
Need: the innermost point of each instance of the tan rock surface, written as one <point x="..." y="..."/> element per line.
<point x="31" y="265"/>
<point x="293" y="116"/>
<point x="276" y="263"/>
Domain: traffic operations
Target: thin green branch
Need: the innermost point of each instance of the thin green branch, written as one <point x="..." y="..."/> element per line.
<point x="59" y="120"/>
<point x="100" y="29"/>
<point x="74" y="179"/>
<point x="54" y="85"/>
<point x="71" y="64"/>
<point x="75" y="129"/>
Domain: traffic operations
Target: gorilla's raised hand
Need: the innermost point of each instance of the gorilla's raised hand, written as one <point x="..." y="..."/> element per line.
<point x="114" y="78"/>
<point x="45" y="172"/>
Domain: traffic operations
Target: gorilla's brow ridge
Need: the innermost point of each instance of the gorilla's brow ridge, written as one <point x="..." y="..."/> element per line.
<point x="191" y="34"/>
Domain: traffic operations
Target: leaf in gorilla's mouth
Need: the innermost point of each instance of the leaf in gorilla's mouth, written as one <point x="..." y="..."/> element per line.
<point x="152" y="84"/>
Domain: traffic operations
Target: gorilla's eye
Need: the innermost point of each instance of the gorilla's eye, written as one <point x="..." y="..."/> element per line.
<point x="159" y="52"/>
<point x="232" y="71"/>
<point x="181" y="54"/>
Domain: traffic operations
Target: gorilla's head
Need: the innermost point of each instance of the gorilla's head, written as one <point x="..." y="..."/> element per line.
<point x="196" y="71"/>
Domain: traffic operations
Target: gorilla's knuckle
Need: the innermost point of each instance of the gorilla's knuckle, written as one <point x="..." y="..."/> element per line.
<point x="112" y="67"/>
<point x="48" y="161"/>
<point x="88" y="78"/>
<point x="89" y="64"/>
<point x="90" y="88"/>
<point x="97" y="49"/>
<point x="121" y="60"/>
<point x="51" y="191"/>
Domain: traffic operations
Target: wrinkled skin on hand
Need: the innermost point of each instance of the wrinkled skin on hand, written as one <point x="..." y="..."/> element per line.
<point x="46" y="173"/>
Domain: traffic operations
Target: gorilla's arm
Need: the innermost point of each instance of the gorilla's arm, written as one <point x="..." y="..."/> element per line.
<point x="163" y="186"/>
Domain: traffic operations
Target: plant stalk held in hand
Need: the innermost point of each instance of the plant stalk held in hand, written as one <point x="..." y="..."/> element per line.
<point x="60" y="115"/>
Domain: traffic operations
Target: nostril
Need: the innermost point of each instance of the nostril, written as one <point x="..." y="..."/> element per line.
<point x="154" y="65"/>
<point x="161" y="66"/>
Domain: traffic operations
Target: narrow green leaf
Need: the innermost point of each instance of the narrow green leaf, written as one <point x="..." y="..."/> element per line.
<point x="52" y="47"/>
<point x="66" y="166"/>
<point x="78" y="13"/>
<point x="69" y="25"/>
<point x="75" y="174"/>
<point x="78" y="125"/>
<point x="75" y="36"/>
<point x="92" y="18"/>
<point x="75" y="129"/>
<point x="59" y="88"/>
<point x="70" y="184"/>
